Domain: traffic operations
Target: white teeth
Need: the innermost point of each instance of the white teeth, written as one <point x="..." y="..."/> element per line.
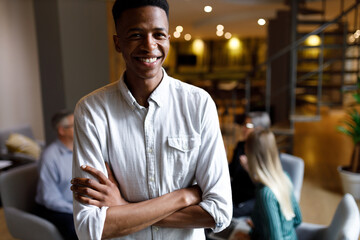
<point x="148" y="60"/>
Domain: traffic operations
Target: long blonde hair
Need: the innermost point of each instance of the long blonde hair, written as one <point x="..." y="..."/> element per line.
<point x="265" y="167"/>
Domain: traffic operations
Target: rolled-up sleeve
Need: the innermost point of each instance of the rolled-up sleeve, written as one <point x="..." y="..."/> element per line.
<point x="89" y="220"/>
<point x="212" y="172"/>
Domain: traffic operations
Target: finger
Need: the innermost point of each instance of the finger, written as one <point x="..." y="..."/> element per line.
<point x="87" y="182"/>
<point x="110" y="174"/>
<point x="87" y="200"/>
<point x="96" y="173"/>
<point x="89" y="192"/>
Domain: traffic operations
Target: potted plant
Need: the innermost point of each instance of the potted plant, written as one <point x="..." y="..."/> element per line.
<point x="350" y="175"/>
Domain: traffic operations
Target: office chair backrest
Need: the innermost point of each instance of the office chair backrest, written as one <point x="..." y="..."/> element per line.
<point x="346" y="221"/>
<point x="294" y="166"/>
<point x="345" y="224"/>
<point x="18" y="187"/>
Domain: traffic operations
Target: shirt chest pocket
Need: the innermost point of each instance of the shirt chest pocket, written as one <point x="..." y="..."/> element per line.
<point x="183" y="153"/>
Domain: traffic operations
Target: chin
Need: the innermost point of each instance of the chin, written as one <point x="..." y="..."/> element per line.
<point x="151" y="73"/>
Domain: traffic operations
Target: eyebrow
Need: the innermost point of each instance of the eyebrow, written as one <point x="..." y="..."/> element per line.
<point x="141" y="29"/>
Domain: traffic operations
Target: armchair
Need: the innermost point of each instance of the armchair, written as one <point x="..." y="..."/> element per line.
<point x="18" y="188"/>
<point x="294" y="166"/>
<point x="345" y="224"/>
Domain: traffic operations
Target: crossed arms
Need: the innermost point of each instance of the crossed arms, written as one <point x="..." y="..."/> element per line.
<point x="177" y="209"/>
<point x="155" y="193"/>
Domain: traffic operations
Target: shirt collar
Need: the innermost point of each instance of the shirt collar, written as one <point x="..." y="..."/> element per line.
<point x="125" y="92"/>
<point x="159" y="95"/>
<point x="63" y="149"/>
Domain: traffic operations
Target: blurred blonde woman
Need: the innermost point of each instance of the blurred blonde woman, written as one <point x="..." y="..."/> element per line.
<point x="243" y="189"/>
<point x="276" y="212"/>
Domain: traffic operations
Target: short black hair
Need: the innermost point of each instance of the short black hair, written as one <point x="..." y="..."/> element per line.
<point x="121" y="5"/>
<point x="59" y="116"/>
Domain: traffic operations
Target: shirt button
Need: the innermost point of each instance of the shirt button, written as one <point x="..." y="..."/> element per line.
<point x="150" y="150"/>
<point x="151" y="179"/>
<point x="219" y="225"/>
<point x="156" y="229"/>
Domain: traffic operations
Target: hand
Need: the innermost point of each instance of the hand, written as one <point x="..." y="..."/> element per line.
<point x="194" y="195"/>
<point x="250" y="222"/>
<point x="244" y="162"/>
<point x="104" y="192"/>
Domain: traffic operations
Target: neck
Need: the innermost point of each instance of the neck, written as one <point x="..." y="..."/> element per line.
<point x="68" y="143"/>
<point x="141" y="89"/>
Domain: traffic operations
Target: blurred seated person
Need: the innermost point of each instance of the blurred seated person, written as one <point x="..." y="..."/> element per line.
<point x="54" y="198"/>
<point x="276" y="213"/>
<point x="243" y="189"/>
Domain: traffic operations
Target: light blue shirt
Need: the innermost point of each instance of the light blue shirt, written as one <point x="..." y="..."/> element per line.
<point x="173" y="143"/>
<point x="55" y="168"/>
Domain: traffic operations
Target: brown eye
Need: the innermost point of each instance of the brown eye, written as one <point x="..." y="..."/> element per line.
<point x="135" y="36"/>
<point x="160" y="36"/>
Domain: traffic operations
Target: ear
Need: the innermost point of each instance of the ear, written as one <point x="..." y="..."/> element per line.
<point x="117" y="43"/>
<point x="61" y="131"/>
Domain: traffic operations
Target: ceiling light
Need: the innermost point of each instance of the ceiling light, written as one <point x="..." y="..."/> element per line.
<point x="313" y="40"/>
<point x="187" y="37"/>
<point x="207" y="9"/>
<point x="219" y="33"/>
<point x="261" y="22"/>
<point x="357" y="34"/>
<point x="234" y="44"/>
<point x="352" y="38"/>
<point x="179" y="29"/>
<point x="220" y="27"/>
<point x="177" y="34"/>
<point x="198" y="46"/>
<point x="228" y="35"/>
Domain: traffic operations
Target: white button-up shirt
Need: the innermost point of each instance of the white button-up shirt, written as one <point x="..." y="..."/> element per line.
<point x="152" y="151"/>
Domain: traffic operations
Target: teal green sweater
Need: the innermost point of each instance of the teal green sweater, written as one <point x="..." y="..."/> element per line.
<point x="269" y="222"/>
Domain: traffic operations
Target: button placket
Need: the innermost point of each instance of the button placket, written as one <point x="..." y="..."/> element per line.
<point x="150" y="153"/>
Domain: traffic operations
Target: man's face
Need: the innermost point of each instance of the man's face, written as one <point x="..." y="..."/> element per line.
<point x="67" y="130"/>
<point x="143" y="39"/>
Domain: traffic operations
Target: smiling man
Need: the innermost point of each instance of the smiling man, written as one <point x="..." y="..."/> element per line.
<point x="161" y="138"/>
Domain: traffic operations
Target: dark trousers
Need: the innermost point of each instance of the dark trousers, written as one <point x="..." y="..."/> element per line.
<point x="64" y="222"/>
<point x="243" y="209"/>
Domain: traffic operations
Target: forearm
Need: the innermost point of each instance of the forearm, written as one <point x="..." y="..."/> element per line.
<point x="190" y="217"/>
<point x="126" y="219"/>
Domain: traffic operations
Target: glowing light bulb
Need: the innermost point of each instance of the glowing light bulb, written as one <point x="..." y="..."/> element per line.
<point x="228" y="35"/>
<point x="261" y="22"/>
<point x="219" y="33"/>
<point x="220" y="27"/>
<point x="313" y="40"/>
<point x="234" y="44"/>
<point x="179" y="29"/>
<point x="207" y="9"/>
<point x="198" y="46"/>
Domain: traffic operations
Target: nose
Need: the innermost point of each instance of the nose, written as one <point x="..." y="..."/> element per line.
<point x="149" y="43"/>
